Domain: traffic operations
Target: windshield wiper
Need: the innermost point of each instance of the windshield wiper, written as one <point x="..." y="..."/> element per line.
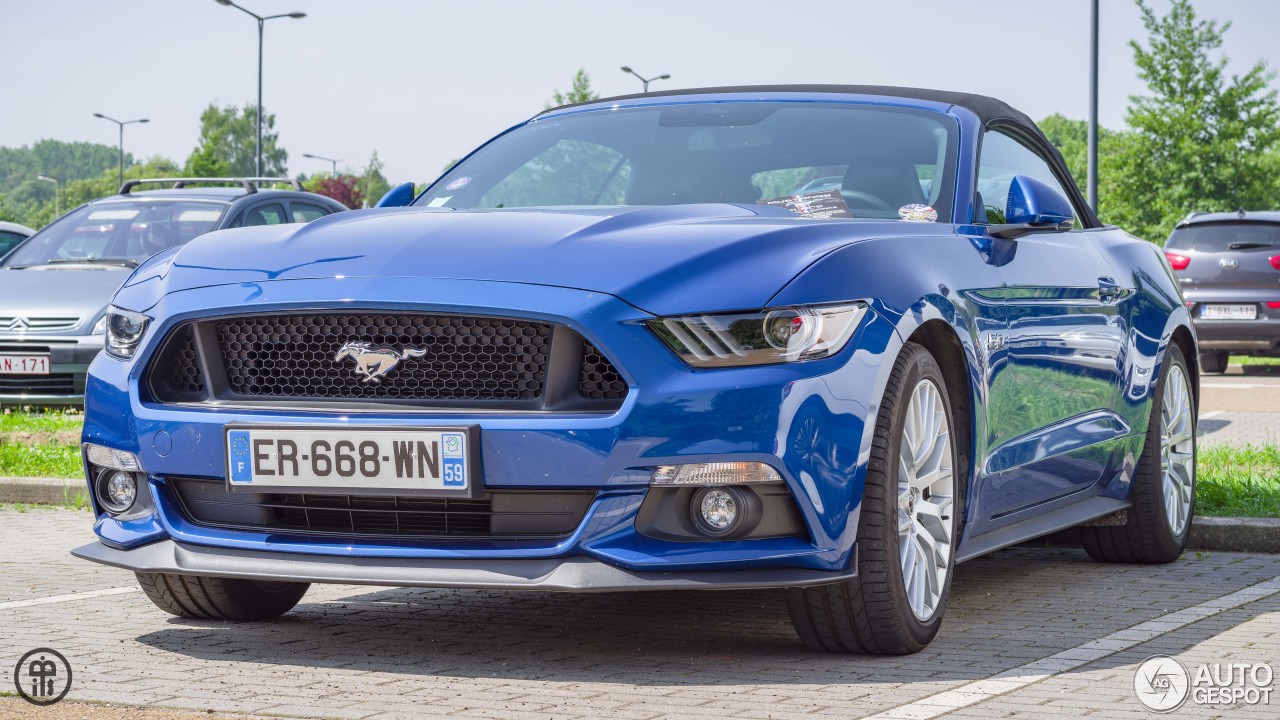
<point x="123" y="262"/>
<point x="1247" y="245"/>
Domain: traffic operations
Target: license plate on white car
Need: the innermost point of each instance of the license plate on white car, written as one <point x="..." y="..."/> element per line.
<point x="24" y="364"/>
<point x="432" y="461"/>
<point x="1229" y="312"/>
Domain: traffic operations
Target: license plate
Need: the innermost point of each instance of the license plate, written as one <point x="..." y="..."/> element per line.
<point x="436" y="461"/>
<point x="1229" y="312"/>
<point x="24" y="364"/>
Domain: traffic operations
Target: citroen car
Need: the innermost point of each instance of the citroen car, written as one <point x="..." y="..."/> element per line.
<point x="55" y="285"/>
<point x="1229" y="267"/>
<point x="644" y="343"/>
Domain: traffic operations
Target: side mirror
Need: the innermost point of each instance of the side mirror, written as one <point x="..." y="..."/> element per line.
<point x="1033" y="207"/>
<point x="398" y="196"/>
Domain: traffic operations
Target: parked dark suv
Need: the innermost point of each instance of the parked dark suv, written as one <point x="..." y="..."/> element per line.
<point x="1229" y="267"/>
<point x="55" y="285"/>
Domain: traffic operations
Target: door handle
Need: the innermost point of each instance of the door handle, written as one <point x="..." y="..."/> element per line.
<point x="1108" y="289"/>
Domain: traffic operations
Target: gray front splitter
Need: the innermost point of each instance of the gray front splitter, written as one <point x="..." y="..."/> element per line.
<point x="575" y="574"/>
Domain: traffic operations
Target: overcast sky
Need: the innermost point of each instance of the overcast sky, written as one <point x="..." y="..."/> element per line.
<point x="425" y="81"/>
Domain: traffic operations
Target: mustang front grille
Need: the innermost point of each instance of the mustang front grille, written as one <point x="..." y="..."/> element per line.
<point x="429" y="360"/>
<point x="543" y="514"/>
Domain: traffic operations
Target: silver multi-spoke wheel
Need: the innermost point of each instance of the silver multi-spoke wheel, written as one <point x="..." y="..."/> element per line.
<point x="1177" y="449"/>
<point x="925" y="497"/>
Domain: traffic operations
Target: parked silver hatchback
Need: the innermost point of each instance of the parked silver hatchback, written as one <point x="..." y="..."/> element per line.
<point x="1229" y="268"/>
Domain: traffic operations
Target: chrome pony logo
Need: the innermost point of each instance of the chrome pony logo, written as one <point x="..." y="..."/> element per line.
<point x="374" y="362"/>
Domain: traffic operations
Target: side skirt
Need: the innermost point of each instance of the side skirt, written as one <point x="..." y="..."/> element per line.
<point x="1068" y="516"/>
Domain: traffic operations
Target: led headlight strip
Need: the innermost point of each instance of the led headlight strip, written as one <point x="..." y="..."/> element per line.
<point x="760" y="338"/>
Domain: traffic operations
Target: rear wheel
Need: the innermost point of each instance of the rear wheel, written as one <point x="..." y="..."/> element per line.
<point x="1159" y="520"/>
<point x="907" y="526"/>
<point x="1214" y="361"/>
<point x="213" y="598"/>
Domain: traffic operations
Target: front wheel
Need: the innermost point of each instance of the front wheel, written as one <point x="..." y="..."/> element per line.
<point x="214" y="598"/>
<point x="907" y="526"/>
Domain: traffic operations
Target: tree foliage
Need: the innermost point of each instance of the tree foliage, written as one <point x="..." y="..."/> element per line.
<point x="228" y="142"/>
<point x="373" y="184"/>
<point x="1201" y="139"/>
<point x="579" y="92"/>
<point x="343" y="188"/>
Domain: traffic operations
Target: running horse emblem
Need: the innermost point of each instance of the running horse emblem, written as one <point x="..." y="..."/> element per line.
<point x="373" y="362"/>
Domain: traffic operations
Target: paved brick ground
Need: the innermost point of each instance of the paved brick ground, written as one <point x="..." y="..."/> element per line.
<point x="354" y="652"/>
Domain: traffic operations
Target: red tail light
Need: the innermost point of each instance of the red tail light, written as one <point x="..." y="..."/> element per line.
<point x="1180" y="262"/>
<point x="1275" y="262"/>
<point x="1273" y="305"/>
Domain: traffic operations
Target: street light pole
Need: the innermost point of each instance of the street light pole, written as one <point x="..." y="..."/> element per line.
<point x="328" y="160"/>
<point x="121" y="125"/>
<point x="57" y="202"/>
<point x="1093" y="107"/>
<point x="644" y="79"/>
<point x="262" y="21"/>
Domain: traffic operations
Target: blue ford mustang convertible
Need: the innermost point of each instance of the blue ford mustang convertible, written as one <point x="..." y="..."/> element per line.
<point x="828" y="339"/>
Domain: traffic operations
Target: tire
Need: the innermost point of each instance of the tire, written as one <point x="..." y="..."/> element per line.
<point x="873" y="613"/>
<point x="215" y="598"/>
<point x="1214" y="361"/>
<point x="1153" y="534"/>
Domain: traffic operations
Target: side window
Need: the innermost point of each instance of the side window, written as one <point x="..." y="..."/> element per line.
<point x="305" y="213"/>
<point x="1002" y="158"/>
<point x="8" y="241"/>
<point x="268" y="214"/>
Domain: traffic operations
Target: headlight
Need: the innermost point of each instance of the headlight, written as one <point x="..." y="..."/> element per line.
<point x="125" y="329"/>
<point x="774" y="336"/>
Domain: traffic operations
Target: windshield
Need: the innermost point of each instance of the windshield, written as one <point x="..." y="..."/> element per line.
<point x="125" y="232"/>
<point x="846" y="160"/>
<point x="1225" y="236"/>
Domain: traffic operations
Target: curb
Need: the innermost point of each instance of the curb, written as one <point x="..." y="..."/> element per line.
<point x="43" y="491"/>
<point x="1223" y="534"/>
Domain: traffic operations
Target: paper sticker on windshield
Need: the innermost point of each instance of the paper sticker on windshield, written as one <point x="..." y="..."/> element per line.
<point x="440" y="201"/>
<point x="819" y="205"/>
<point x="460" y="182"/>
<point x="917" y="213"/>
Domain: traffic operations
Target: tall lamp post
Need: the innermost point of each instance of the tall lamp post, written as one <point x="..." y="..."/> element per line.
<point x="328" y="160"/>
<point x="644" y="79"/>
<point x="1093" y="107"/>
<point x="57" y="202"/>
<point x="261" y="21"/>
<point x="121" y="124"/>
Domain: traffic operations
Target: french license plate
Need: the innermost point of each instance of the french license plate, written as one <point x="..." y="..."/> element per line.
<point x="1229" y="312"/>
<point x="24" y="364"/>
<point x="437" y="460"/>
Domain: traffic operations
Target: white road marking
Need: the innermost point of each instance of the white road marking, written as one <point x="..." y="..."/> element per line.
<point x="67" y="598"/>
<point x="1033" y="672"/>
<point x="1211" y="414"/>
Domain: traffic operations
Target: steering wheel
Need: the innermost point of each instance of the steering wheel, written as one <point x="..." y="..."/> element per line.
<point x="868" y="198"/>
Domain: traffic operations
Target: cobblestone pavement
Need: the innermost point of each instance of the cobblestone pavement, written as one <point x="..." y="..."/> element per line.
<point x="360" y="652"/>
<point x="1239" y="409"/>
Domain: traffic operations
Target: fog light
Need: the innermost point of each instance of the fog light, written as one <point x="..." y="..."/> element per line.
<point x="718" y="511"/>
<point x="117" y="490"/>
<point x="718" y="473"/>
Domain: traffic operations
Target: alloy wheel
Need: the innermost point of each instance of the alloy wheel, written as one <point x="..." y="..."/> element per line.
<point x="925" y="499"/>
<point x="1177" y="450"/>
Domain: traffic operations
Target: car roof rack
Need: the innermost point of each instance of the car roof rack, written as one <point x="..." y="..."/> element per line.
<point x="248" y="183"/>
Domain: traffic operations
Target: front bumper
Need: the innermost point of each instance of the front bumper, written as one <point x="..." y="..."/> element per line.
<point x="69" y="359"/>
<point x="574" y="574"/>
<point x="805" y="419"/>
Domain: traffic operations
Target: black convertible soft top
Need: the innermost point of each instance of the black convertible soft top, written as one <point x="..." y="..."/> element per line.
<point x="989" y="110"/>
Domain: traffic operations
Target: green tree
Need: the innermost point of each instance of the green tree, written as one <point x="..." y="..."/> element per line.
<point x="1201" y="140"/>
<point x="373" y="184"/>
<point x="228" y="141"/>
<point x="579" y="92"/>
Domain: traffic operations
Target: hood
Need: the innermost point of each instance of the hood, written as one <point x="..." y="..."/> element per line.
<point x="61" y="292"/>
<point x="669" y="259"/>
